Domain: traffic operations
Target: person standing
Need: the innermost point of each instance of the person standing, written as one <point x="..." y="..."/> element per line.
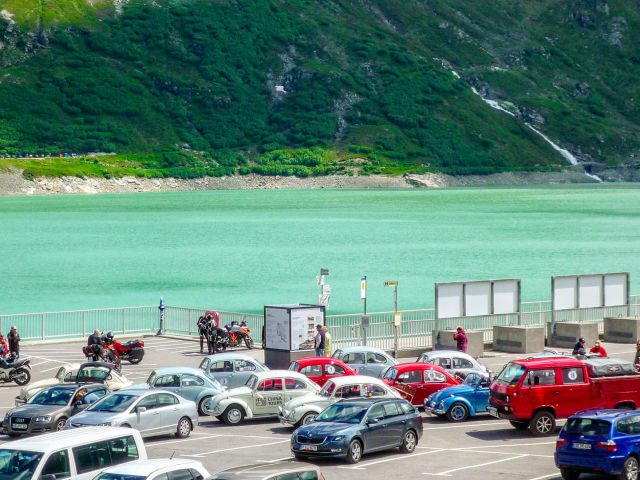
<point x="318" y="341"/>
<point x="461" y="339"/>
<point x="599" y="349"/>
<point x="14" y="341"/>
<point x="327" y="341"/>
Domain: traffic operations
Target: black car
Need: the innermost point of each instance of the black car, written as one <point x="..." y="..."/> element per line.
<point x="351" y="428"/>
<point x="50" y="408"/>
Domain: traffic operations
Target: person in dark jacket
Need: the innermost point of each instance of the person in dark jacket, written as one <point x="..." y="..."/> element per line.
<point x="579" y="348"/>
<point x="318" y="341"/>
<point x="14" y="341"/>
<point x="95" y="338"/>
<point x="206" y="330"/>
<point x="461" y="339"/>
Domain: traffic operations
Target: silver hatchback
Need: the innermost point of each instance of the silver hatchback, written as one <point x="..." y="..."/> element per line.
<point x="154" y="412"/>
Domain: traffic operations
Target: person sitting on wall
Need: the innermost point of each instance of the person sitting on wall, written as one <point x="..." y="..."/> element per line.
<point x="599" y="349"/>
<point x="579" y="346"/>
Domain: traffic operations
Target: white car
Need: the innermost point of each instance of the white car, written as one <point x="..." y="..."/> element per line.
<point x="456" y="363"/>
<point x="303" y="410"/>
<point x="67" y="373"/>
<point x="260" y="397"/>
<point x="157" y="469"/>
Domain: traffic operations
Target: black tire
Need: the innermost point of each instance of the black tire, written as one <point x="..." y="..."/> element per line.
<point x="354" y="452"/>
<point x="409" y="442"/>
<point x="22" y="376"/>
<point x="135" y="360"/>
<point x="543" y="423"/>
<point x="305" y="420"/>
<point x="458" y="412"/>
<point x="629" y="470"/>
<point x="184" y="427"/>
<point x="201" y="403"/>
<point x="60" y="423"/>
<point x="568" y="474"/>
<point x="248" y="341"/>
<point x="519" y="425"/>
<point x="233" y="415"/>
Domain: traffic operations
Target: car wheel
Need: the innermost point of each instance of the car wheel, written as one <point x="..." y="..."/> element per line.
<point x="519" y="425"/>
<point x="568" y="474"/>
<point x="184" y="428"/>
<point x="354" y="453"/>
<point x="308" y="418"/>
<point x="61" y="423"/>
<point x="233" y="415"/>
<point x="543" y="423"/>
<point x="201" y="405"/>
<point x="458" y="412"/>
<point x="629" y="470"/>
<point x="409" y="442"/>
<point x="134" y="360"/>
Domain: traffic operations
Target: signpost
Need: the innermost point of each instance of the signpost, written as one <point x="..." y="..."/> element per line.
<point x="364" y="322"/>
<point x="397" y="316"/>
<point x="325" y="290"/>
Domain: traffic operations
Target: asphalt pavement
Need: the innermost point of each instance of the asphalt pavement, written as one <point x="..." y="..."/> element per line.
<point x="481" y="448"/>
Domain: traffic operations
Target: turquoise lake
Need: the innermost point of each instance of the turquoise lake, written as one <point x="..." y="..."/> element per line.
<point x="239" y="250"/>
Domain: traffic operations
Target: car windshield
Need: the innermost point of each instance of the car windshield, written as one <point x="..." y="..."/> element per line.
<point x="588" y="426"/>
<point x="18" y="464"/>
<point x="52" y="396"/>
<point x="61" y="374"/>
<point x="473" y="380"/>
<point x="120" y="476"/>
<point x="511" y="374"/>
<point x="113" y="403"/>
<point x="151" y="378"/>
<point x="252" y="382"/>
<point x="390" y="374"/>
<point x="93" y="374"/>
<point x="341" y="413"/>
<point x="328" y="389"/>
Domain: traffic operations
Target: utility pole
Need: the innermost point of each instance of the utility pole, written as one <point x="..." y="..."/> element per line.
<point x="397" y="318"/>
<point x="364" y="322"/>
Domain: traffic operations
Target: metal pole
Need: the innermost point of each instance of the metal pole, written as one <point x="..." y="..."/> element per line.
<point x="43" y="326"/>
<point x="84" y="323"/>
<point x="395" y="327"/>
<point x="364" y="329"/>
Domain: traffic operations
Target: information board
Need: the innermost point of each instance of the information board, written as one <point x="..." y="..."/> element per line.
<point x="477" y="298"/>
<point x="292" y="327"/>
<point x="590" y="291"/>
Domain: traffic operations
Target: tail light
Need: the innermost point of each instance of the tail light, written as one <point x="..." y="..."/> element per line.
<point x="141" y="343"/>
<point x="609" y="446"/>
<point x="561" y="442"/>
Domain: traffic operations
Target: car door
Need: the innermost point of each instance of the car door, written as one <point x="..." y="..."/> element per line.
<point x="147" y="421"/>
<point x="168" y="382"/>
<point x="572" y="392"/>
<point x="355" y="360"/>
<point x="414" y="383"/>
<point x="268" y="395"/>
<point x="294" y="388"/>
<point x="395" y="421"/>
<point x="376" y="364"/>
<point x="170" y="412"/>
<point x="222" y="370"/>
<point x="242" y="370"/>
<point x="93" y="395"/>
<point x="190" y="386"/>
<point x="57" y="464"/>
<point x="314" y="373"/>
<point x="374" y="432"/>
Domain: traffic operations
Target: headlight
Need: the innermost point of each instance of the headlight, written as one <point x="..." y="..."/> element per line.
<point x="441" y="404"/>
<point x="506" y="398"/>
<point x="336" y="438"/>
<point x="45" y="418"/>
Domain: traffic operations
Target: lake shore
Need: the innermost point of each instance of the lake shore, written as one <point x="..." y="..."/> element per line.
<point x="13" y="183"/>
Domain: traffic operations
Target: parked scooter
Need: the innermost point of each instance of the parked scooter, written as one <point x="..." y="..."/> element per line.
<point x="132" y="351"/>
<point x="12" y="370"/>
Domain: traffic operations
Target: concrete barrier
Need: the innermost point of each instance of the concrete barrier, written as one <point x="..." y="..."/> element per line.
<point x="475" y="342"/>
<point x="518" y="339"/>
<point x="567" y="334"/>
<point x="621" y="329"/>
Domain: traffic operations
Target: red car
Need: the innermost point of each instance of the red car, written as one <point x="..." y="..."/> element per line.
<point x="321" y="369"/>
<point x="416" y="381"/>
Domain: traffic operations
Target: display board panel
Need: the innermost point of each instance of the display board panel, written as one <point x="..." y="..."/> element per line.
<point x="615" y="289"/>
<point x="449" y="300"/>
<point x="565" y="293"/>
<point x="477" y="298"/>
<point x="303" y="327"/>
<point x="506" y="296"/>
<point x="590" y="291"/>
<point x="277" y="328"/>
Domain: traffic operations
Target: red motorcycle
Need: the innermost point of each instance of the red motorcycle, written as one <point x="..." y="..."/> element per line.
<point x="132" y="351"/>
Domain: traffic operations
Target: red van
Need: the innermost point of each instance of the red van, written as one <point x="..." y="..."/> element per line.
<point x="533" y="393"/>
<point x="321" y="369"/>
<point x="416" y="381"/>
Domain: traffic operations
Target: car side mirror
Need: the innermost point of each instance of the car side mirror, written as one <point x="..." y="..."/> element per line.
<point x="372" y="421"/>
<point x="141" y="409"/>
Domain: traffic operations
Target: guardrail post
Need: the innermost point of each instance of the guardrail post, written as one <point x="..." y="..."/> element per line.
<point x="42" y="318"/>
<point x="84" y="323"/>
<point x="124" y="319"/>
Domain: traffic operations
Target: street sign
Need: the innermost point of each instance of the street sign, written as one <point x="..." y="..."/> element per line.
<point x="363" y="288"/>
<point x="397" y="319"/>
<point x="364" y="321"/>
<point x="324" y="271"/>
<point x="393" y="283"/>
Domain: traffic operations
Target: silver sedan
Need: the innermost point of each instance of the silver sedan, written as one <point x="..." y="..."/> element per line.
<point x="154" y="412"/>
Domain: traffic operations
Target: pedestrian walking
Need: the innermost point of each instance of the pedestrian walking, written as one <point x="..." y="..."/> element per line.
<point x="461" y="339"/>
<point x="319" y="341"/>
<point x="599" y="349"/>
<point x="327" y="341"/>
<point x="579" y="348"/>
<point x="14" y="341"/>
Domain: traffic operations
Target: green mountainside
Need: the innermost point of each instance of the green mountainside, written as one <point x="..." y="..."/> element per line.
<point x="311" y="87"/>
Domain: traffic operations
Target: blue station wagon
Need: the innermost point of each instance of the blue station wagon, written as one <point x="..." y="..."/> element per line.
<point x="600" y="441"/>
<point x="350" y="428"/>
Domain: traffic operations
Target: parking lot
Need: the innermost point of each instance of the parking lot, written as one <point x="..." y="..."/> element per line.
<point x="484" y="448"/>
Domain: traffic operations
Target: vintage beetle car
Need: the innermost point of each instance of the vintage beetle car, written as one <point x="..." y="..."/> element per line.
<point x="321" y="369"/>
<point x="456" y="363"/>
<point x="68" y="373"/>
<point x="284" y="470"/>
<point x="365" y="360"/>
<point x="260" y="397"/>
<point x="303" y="410"/>
<point x="416" y="381"/>
<point x="462" y="401"/>
<point x="189" y="383"/>
<point x="231" y="369"/>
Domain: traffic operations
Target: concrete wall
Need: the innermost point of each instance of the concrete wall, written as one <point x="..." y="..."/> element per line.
<point x="567" y="334"/>
<point x="621" y="329"/>
<point x="475" y="342"/>
<point x="518" y="339"/>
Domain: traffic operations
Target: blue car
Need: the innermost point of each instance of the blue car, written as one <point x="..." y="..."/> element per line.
<point x="600" y="441"/>
<point x="350" y="428"/>
<point x="462" y="401"/>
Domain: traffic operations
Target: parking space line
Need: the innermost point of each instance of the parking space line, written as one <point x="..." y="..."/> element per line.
<point x="487" y="424"/>
<point x="204" y="454"/>
<point x="546" y="476"/>
<point x="364" y="465"/>
<point x="514" y="445"/>
<point x="169" y="442"/>
<point x="447" y="473"/>
<point x="276" y="460"/>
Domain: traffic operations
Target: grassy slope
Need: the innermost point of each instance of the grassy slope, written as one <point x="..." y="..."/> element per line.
<point x="202" y="73"/>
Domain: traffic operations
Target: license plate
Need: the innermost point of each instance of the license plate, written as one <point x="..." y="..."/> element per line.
<point x="582" y="446"/>
<point x="493" y="411"/>
<point x="309" y="448"/>
<point x="19" y="426"/>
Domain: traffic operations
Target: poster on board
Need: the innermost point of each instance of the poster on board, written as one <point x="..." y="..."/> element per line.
<point x="277" y="328"/>
<point x="303" y="327"/>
